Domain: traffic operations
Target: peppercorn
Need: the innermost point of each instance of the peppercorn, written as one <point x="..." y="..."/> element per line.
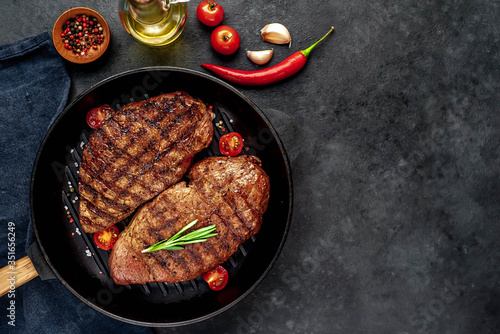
<point x="81" y="33"/>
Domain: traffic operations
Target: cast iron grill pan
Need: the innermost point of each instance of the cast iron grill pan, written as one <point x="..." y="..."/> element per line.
<point x="83" y="267"/>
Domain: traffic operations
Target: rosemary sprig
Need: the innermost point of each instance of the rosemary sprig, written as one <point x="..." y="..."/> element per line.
<point x="177" y="241"/>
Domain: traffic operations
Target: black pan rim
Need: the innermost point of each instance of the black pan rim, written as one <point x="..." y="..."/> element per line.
<point x="288" y="178"/>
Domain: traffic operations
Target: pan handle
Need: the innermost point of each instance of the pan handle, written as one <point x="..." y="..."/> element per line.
<point x="15" y="276"/>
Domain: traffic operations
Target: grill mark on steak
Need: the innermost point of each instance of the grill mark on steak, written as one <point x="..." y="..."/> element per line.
<point x="179" y="205"/>
<point x="166" y="227"/>
<point x="98" y="167"/>
<point x="195" y="251"/>
<point x="156" y="165"/>
<point x="101" y="189"/>
<point x="125" y="170"/>
<point x="117" y="152"/>
<point x="121" y="183"/>
<point x="237" y="204"/>
<point x="141" y="150"/>
<point x="186" y="133"/>
<point x="97" y="212"/>
<point x="208" y="248"/>
<point x="106" y="204"/>
<point x="223" y="228"/>
<point x="164" y="230"/>
<point x="180" y="261"/>
<point x="223" y="218"/>
<point x="213" y="195"/>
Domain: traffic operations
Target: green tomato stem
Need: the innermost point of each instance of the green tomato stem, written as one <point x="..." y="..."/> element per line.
<point x="307" y="51"/>
<point x="211" y="5"/>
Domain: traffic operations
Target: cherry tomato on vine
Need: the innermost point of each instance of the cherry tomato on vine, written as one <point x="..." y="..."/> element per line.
<point x="106" y="239"/>
<point x="97" y="116"/>
<point x="231" y="144"/>
<point x="216" y="278"/>
<point x="210" y="13"/>
<point x="225" y="40"/>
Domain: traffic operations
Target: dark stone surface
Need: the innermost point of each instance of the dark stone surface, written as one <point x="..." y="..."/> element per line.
<point x="392" y="130"/>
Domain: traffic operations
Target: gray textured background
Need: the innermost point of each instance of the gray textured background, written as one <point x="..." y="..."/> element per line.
<point x="392" y="130"/>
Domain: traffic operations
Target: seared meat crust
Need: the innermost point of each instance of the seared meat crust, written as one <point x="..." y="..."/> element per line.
<point x="232" y="193"/>
<point x="142" y="149"/>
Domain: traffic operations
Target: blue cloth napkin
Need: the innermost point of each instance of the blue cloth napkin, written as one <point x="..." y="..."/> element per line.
<point x="34" y="87"/>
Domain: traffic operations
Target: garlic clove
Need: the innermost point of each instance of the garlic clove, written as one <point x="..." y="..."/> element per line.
<point x="260" y="57"/>
<point x="276" y="33"/>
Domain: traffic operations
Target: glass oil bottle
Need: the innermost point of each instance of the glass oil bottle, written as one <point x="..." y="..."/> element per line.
<point x="153" y="22"/>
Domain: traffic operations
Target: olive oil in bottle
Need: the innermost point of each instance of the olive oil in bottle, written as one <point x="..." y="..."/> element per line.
<point x="153" y="22"/>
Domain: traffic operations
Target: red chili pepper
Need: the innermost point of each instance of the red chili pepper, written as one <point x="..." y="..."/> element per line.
<point x="280" y="71"/>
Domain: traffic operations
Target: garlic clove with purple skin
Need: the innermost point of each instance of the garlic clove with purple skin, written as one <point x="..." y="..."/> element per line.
<point x="260" y="57"/>
<point x="276" y="33"/>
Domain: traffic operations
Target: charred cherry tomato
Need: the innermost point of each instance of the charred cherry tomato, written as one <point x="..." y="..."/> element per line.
<point x="97" y="116"/>
<point x="210" y="13"/>
<point x="225" y="40"/>
<point x="231" y="144"/>
<point x="106" y="239"/>
<point x="216" y="278"/>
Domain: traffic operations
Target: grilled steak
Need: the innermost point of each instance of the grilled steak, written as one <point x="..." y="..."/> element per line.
<point x="141" y="150"/>
<point x="231" y="193"/>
